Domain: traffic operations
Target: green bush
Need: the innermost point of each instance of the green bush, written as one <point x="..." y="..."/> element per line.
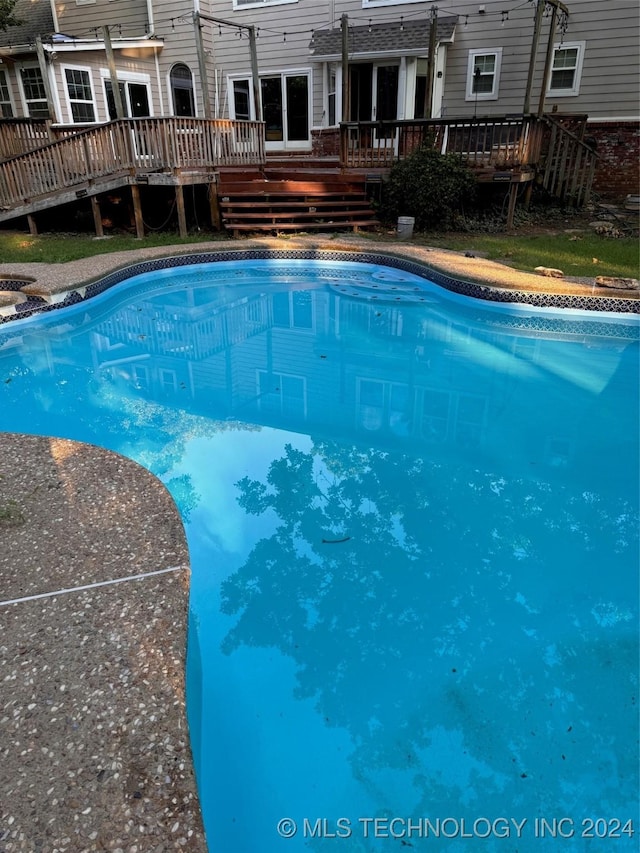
<point x="429" y="186"/>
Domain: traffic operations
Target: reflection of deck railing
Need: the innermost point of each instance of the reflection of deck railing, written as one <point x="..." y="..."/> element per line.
<point x="503" y="141"/>
<point x="129" y="146"/>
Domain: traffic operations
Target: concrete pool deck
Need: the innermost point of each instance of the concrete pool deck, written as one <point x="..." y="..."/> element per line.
<point x="95" y="752"/>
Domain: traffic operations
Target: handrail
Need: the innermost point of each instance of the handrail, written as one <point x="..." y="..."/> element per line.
<point x="569" y="164"/>
<point x="130" y="145"/>
<point x="481" y="141"/>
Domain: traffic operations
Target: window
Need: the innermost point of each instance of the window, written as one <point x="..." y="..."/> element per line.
<point x="241" y="100"/>
<point x="181" y="81"/>
<point x="35" y="96"/>
<point x="370" y="3"/>
<point x="6" y="107"/>
<point x="293" y="310"/>
<point x="384" y="406"/>
<point x="241" y="4"/>
<point x="331" y="98"/>
<point x="133" y="94"/>
<point x="566" y="69"/>
<point x="282" y="394"/>
<point x="483" y="74"/>
<point x="80" y="95"/>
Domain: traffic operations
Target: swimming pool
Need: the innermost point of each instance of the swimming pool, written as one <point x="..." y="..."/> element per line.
<point x="412" y="521"/>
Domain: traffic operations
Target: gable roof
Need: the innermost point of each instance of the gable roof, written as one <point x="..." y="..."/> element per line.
<point x="400" y="39"/>
<point x="37" y="20"/>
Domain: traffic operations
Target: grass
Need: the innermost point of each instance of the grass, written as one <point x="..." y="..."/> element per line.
<point x="580" y="255"/>
<point x="19" y="248"/>
<point x="576" y="254"/>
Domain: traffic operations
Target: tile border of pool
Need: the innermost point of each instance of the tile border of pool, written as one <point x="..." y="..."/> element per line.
<point x="486" y="291"/>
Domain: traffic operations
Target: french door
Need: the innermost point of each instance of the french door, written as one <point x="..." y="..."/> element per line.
<point x="374" y="97"/>
<point x="285" y="110"/>
<point x="384" y="96"/>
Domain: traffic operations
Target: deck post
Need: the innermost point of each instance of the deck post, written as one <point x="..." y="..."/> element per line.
<point x="431" y="62"/>
<point x="33" y="228"/>
<point x="46" y="80"/>
<point x="513" y="195"/>
<point x="113" y="74"/>
<point x="137" y="211"/>
<point x="97" y="216"/>
<point x="532" y="60"/>
<point x="255" y="75"/>
<point x="346" y="88"/>
<point x="548" y="60"/>
<point x="202" y="66"/>
<point x="214" y="206"/>
<point x="182" y="219"/>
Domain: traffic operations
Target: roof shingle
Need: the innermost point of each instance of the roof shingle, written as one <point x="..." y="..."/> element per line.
<point x="408" y="38"/>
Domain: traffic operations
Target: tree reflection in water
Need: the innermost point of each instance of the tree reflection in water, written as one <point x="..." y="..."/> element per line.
<point x="440" y="634"/>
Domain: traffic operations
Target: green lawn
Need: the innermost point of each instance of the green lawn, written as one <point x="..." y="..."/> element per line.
<point x="584" y="254"/>
<point x="60" y="248"/>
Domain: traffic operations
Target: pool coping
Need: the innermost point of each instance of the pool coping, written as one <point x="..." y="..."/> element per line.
<point x="94" y="586"/>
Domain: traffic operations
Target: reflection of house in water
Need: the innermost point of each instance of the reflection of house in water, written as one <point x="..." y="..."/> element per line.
<point x="314" y="360"/>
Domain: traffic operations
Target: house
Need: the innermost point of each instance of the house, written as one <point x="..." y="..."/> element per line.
<point x="182" y="58"/>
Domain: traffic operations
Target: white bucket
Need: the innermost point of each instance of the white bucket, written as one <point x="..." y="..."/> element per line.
<point x="405" y="227"/>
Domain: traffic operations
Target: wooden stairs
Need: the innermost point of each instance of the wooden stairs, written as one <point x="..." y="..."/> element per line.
<point x="293" y="198"/>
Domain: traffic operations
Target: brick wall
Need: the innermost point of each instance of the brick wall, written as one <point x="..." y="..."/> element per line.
<point x="325" y="142"/>
<point x="618" y="146"/>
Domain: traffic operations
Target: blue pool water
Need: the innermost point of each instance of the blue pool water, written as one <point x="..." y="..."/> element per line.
<point x="412" y="521"/>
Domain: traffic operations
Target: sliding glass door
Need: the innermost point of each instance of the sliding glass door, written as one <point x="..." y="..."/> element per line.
<point x="285" y="108"/>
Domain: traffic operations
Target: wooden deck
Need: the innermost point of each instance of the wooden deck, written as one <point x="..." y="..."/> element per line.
<point x="57" y="165"/>
<point x="169" y="152"/>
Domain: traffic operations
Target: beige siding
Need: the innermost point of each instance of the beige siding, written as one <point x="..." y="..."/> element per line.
<point x="608" y="84"/>
<point x="610" y="58"/>
<point x="127" y="18"/>
<point x="609" y="75"/>
<point x="173" y="23"/>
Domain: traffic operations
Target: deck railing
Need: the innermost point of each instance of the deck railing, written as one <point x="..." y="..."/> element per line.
<point x="133" y="145"/>
<point x="567" y="164"/>
<point x="502" y="141"/>
<point x="563" y="163"/>
<point x="19" y="135"/>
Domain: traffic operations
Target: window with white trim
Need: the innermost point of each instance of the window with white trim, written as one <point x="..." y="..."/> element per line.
<point x="80" y="95"/>
<point x="293" y="310"/>
<point x="368" y="4"/>
<point x="6" y="107"/>
<point x="282" y="393"/>
<point x="566" y="69"/>
<point x="243" y="4"/>
<point x="35" y="96"/>
<point x="181" y="83"/>
<point x="483" y="74"/>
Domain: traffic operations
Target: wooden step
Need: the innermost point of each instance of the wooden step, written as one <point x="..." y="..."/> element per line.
<point x="295" y="204"/>
<point x="293" y="226"/>
<point x="279" y="216"/>
<point x="258" y="188"/>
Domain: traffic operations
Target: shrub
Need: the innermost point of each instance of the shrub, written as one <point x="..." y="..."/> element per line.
<point x="429" y="186"/>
